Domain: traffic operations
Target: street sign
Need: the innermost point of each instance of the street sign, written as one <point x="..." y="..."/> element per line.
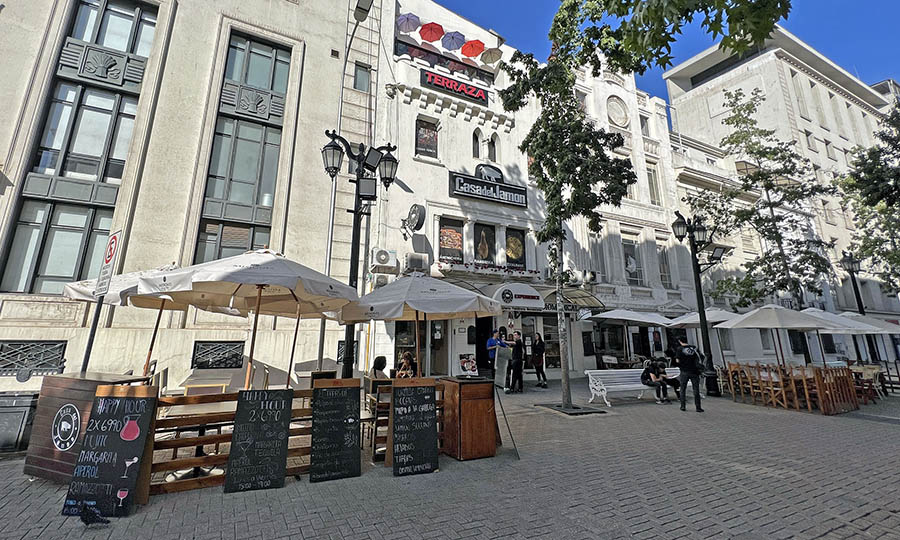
<point x="109" y="259"/>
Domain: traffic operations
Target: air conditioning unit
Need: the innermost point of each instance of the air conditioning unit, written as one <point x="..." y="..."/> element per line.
<point x="381" y="280"/>
<point x="383" y="261"/>
<point x="416" y="262"/>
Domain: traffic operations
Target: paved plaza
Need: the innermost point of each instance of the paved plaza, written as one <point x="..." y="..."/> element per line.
<point x="640" y="471"/>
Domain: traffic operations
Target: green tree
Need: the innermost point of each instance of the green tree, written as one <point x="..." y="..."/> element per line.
<point x="634" y="35"/>
<point x="774" y="195"/>
<point x="872" y="190"/>
<point x="570" y="159"/>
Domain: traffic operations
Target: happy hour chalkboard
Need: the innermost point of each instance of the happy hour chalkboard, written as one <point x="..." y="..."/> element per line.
<point x="259" y="443"/>
<point x="108" y="466"/>
<point x="414" y="437"/>
<point x="335" y="430"/>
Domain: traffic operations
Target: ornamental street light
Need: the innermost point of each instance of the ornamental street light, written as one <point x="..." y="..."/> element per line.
<point x="852" y="266"/>
<point x="698" y="239"/>
<point x="368" y="160"/>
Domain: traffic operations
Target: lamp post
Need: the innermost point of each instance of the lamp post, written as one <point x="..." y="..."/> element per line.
<point x="368" y="160"/>
<point x="698" y="239"/>
<point x="852" y="266"/>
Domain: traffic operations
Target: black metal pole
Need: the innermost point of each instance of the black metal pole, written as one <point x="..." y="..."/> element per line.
<point x="861" y="309"/>
<point x="712" y="385"/>
<point x="90" y="342"/>
<point x="350" y="328"/>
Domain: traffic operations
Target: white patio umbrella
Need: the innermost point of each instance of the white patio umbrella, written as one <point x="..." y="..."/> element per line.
<point x="847" y="326"/>
<point x="885" y="326"/>
<point x="631" y="318"/>
<point x="713" y="316"/>
<point x="405" y="298"/>
<point x="256" y="281"/>
<point x="773" y="317"/>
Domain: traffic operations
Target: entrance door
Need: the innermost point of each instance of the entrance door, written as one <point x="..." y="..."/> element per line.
<point x="484" y="327"/>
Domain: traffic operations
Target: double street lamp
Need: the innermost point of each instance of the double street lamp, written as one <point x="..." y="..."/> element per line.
<point x="368" y="161"/>
<point x="699" y="239"/>
<point x="852" y="266"/>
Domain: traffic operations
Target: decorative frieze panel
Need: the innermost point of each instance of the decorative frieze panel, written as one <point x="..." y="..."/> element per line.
<point x="250" y="102"/>
<point x="219" y="209"/>
<point x="114" y="69"/>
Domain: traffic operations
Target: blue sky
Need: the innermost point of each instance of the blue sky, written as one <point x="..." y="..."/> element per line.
<point x="861" y="36"/>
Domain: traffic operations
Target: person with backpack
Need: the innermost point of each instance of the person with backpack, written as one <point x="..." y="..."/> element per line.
<point x="655" y="377"/>
<point x="690" y="364"/>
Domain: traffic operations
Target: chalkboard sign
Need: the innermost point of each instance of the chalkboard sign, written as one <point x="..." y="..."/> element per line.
<point x="335" y="430"/>
<point x="109" y="464"/>
<point x="259" y="443"/>
<point x="413" y="427"/>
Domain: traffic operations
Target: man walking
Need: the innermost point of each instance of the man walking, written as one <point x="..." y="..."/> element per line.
<point x="690" y="365"/>
<point x="518" y="361"/>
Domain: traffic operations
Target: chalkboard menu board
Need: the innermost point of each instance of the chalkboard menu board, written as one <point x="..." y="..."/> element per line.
<point x="109" y="464"/>
<point x="413" y="427"/>
<point x="335" y="430"/>
<point x="259" y="443"/>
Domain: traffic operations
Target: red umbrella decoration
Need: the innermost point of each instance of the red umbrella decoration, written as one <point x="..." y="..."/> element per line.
<point x="473" y="48"/>
<point x="431" y="32"/>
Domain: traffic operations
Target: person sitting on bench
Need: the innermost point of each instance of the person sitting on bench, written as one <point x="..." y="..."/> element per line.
<point x="654" y="376"/>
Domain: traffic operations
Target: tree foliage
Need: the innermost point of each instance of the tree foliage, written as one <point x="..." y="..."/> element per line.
<point x="773" y="197"/>
<point x="634" y="35"/>
<point x="872" y="190"/>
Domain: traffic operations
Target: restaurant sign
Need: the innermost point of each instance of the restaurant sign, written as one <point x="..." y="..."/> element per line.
<point x="449" y="85"/>
<point x="464" y="185"/>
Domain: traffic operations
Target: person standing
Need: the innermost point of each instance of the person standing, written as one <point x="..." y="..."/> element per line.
<point x="518" y="361"/>
<point x="537" y="360"/>
<point x="494" y="343"/>
<point x="690" y="365"/>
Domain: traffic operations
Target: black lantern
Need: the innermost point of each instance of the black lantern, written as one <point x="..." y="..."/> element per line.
<point x="850" y="263"/>
<point x="701" y="233"/>
<point x="387" y="168"/>
<point x="333" y="157"/>
<point x="680" y="228"/>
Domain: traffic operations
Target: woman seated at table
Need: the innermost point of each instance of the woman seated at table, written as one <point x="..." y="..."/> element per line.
<point x="407" y="367"/>
<point x="378" y="366"/>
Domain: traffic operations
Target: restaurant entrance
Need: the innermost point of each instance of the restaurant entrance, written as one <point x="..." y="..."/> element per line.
<point x="484" y="326"/>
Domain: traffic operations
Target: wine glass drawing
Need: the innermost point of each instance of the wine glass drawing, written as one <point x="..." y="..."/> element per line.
<point x="128" y="463"/>
<point x="121" y="494"/>
<point x="131" y="430"/>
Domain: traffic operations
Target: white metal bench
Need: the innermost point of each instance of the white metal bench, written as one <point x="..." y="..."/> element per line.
<point x="603" y="381"/>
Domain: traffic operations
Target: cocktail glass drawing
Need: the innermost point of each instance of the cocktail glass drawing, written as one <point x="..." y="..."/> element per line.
<point x="131" y="430"/>
<point x="244" y="444"/>
<point x="121" y="494"/>
<point x="128" y="463"/>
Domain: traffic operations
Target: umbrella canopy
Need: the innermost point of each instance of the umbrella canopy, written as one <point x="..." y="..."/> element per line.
<point x="886" y="327"/>
<point x="473" y="48"/>
<point x="431" y="31"/>
<point x="122" y="287"/>
<point x="775" y="317"/>
<point x="632" y="318"/>
<point x="236" y="281"/>
<point x="408" y="22"/>
<point x="849" y="326"/>
<point x="491" y="55"/>
<point x="407" y="297"/>
<point x="692" y="320"/>
<point x="453" y="40"/>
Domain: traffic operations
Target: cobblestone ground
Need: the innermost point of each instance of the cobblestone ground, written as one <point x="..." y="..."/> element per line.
<point x="640" y="471"/>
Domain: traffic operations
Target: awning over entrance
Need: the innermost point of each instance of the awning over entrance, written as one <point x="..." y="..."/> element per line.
<point x="517" y="296"/>
<point x="575" y="298"/>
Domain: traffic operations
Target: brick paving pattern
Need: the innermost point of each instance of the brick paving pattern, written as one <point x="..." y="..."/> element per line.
<point x="641" y="471"/>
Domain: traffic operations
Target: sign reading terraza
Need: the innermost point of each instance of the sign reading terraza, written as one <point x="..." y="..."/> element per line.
<point x="463" y="185"/>
<point x="452" y="86"/>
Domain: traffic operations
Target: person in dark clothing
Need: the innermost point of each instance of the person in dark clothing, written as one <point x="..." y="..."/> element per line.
<point x="537" y="360"/>
<point x="690" y="365"/>
<point x="654" y="376"/>
<point x="518" y="361"/>
<point x="494" y="343"/>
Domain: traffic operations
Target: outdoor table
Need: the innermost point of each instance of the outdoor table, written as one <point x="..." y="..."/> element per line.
<point x="63" y="410"/>
<point x="210" y="378"/>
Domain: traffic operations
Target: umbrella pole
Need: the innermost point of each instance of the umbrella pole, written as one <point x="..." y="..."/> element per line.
<point x="247" y="381"/>
<point x="287" y="384"/>
<point x="625" y="337"/>
<point x="418" y="363"/>
<point x="780" y="346"/>
<point x="822" y="348"/>
<point x="153" y="338"/>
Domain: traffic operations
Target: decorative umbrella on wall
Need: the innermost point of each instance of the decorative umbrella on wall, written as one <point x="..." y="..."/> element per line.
<point x="453" y="40"/>
<point x="473" y="48"/>
<point x="431" y="31"/>
<point x="491" y="56"/>
<point x="408" y="22"/>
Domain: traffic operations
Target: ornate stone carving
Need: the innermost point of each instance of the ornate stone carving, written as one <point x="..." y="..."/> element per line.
<point x="103" y="65"/>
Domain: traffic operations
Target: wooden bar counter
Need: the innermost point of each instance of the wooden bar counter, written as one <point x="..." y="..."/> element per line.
<point x="470" y="422"/>
<point x="61" y="419"/>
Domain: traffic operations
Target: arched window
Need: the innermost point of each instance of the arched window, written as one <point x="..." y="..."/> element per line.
<point x="492" y="148"/>
<point x="476" y="144"/>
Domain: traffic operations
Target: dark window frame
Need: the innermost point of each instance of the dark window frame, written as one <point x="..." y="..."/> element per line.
<point x="228" y="178"/>
<point x="356" y="71"/>
<point x="245" y="62"/>
<point x="420" y="144"/>
<point x="217" y="243"/>
<point x="140" y="11"/>
<point x="640" y="280"/>
<point x="198" y="363"/>
<point x="665" y="266"/>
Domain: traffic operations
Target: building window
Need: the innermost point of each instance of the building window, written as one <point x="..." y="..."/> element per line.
<point x="485" y="244"/>
<point x="257" y="64"/>
<point x="362" y="77"/>
<point x="665" y="272"/>
<point x="817" y="103"/>
<point x="749" y="243"/>
<point x="597" y="259"/>
<point x="581" y="98"/>
<point x="55" y="244"/>
<point x="645" y="125"/>
<point x="244" y="162"/>
<point x="838" y="117"/>
<point x="492" y="148"/>
<point x="515" y="249"/>
<point x="828" y="344"/>
<point x="725" y="339"/>
<point x="86" y="134"/>
<point x="426" y="138"/>
<point x="476" y="144"/>
<point x="37" y="358"/>
<point x="829" y="150"/>
<point x="451" y="241"/>
<point x="830" y="218"/>
<point x="218" y="240"/>
<point x="765" y="337"/>
<point x="796" y="338"/>
<point x="798" y="90"/>
<point x="810" y="140"/>
<point x="653" y="183"/>
<point x="218" y="355"/>
<point x="854" y="124"/>
<point x="634" y="268"/>
<point x="123" y="25"/>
